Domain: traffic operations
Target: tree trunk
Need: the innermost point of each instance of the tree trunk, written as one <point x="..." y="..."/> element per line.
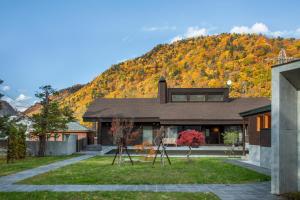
<point x="42" y="145"/>
<point x="120" y="155"/>
<point x="189" y="153"/>
<point x="8" y="153"/>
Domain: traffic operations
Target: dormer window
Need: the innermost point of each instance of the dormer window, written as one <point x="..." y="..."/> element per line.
<point x="179" y="98"/>
<point x="197" y="97"/>
<point x="215" y="97"/>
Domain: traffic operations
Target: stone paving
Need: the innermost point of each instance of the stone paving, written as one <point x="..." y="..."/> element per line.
<point x="256" y="168"/>
<point x="223" y="191"/>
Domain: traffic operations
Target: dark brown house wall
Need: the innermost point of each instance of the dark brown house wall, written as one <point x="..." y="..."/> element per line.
<point x="265" y="137"/>
<point x="105" y="135"/>
<point x="254" y="134"/>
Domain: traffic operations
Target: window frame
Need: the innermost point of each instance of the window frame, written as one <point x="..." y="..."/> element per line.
<point x="186" y="95"/>
<point x="203" y="95"/>
<point x="259" y="123"/>
<point x="267" y="121"/>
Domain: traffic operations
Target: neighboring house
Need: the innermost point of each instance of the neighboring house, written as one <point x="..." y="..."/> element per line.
<point x="74" y="139"/>
<point x="258" y="134"/>
<point x="210" y="110"/>
<point x="285" y="168"/>
<point x="74" y="128"/>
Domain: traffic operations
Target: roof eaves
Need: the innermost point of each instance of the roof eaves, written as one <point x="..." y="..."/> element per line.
<point x="286" y="63"/>
<point x="255" y="111"/>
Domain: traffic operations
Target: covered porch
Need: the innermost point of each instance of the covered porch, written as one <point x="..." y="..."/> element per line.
<point x="148" y="133"/>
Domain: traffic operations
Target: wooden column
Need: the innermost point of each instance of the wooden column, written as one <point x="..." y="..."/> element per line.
<point x="243" y="137"/>
<point x="99" y="139"/>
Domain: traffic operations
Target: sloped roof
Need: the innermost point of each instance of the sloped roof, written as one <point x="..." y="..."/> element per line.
<point x="75" y="126"/>
<point x="255" y="111"/>
<point x="150" y="108"/>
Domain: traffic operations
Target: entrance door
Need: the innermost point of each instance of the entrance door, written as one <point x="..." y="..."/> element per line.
<point x="147" y="134"/>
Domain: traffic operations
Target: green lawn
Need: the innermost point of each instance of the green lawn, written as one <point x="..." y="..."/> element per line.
<point x="98" y="170"/>
<point x="106" y="195"/>
<point x="27" y="163"/>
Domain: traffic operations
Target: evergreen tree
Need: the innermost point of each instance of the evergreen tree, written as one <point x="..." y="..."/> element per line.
<point x="15" y="133"/>
<point x="51" y="118"/>
<point x="1" y="95"/>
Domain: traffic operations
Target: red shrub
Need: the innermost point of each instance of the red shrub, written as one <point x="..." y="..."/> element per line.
<point x="190" y="138"/>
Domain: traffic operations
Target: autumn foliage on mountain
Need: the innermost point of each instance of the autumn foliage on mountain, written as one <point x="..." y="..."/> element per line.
<point x="207" y="61"/>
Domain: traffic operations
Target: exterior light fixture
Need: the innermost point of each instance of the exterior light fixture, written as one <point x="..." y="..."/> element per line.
<point x="229" y="82"/>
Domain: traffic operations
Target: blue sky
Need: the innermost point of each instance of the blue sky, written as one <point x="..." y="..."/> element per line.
<point x="63" y="43"/>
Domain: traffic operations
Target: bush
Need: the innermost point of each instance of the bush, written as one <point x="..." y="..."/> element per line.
<point x="16" y="144"/>
<point x="231" y="138"/>
<point x="190" y="138"/>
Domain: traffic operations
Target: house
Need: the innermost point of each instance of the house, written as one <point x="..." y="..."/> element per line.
<point x="74" y="128"/>
<point x="285" y="168"/>
<point x="210" y="110"/>
<point x="74" y="139"/>
<point x="258" y="135"/>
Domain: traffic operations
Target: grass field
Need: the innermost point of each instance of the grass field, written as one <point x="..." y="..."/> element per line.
<point x="98" y="170"/>
<point x="27" y="163"/>
<point x="106" y="195"/>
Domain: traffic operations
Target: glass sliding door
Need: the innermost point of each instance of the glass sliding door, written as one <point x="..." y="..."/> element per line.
<point x="148" y="135"/>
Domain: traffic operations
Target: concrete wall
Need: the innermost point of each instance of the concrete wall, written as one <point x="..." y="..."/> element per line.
<point x="298" y="142"/>
<point x="55" y="148"/>
<point x="265" y="157"/>
<point x="260" y="155"/>
<point x="285" y="122"/>
<point x="254" y="154"/>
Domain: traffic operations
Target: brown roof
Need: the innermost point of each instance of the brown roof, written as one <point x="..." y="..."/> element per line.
<point x="151" y="110"/>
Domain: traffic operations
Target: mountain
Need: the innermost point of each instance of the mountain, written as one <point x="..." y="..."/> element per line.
<point x="6" y="109"/>
<point x="207" y="61"/>
<point x="59" y="97"/>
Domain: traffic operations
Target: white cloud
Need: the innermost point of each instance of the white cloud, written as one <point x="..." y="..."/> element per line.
<point x="255" y="28"/>
<point x="7" y="99"/>
<point x="176" y="38"/>
<point x="22" y="97"/>
<point x="159" y="28"/>
<point x="15" y="104"/>
<point x="5" y="88"/>
<point x="261" y="28"/>
<point x="278" y="33"/>
<point x="195" y="32"/>
<point x="192" y="31"/>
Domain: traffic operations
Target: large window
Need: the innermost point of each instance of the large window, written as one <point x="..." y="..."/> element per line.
<point x="258" y="123"/>
<point x="179" y="97"/>
<point x="198" y="97"/>
<point x="148" y="135"/>
<point x="267" y="121"/>
<point x="172" y="132"/>
<point x="215" y="97"/>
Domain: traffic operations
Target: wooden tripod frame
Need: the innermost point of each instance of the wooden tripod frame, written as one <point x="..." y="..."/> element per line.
<point x="164" y="151"/>
<point x="121" y="147"/>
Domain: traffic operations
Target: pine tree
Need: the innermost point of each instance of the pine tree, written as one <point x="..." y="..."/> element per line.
<point x="51" y="118"/>
<point x="1" y="95"/>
